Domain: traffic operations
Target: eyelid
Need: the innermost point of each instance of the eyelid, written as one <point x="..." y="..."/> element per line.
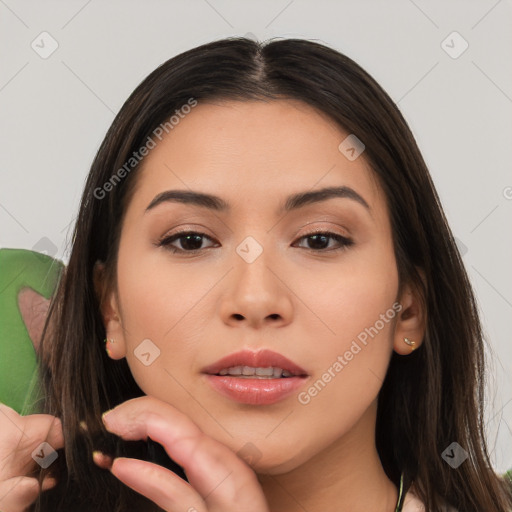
<point x="188" y="228"/>
<point x="327" y="224"/>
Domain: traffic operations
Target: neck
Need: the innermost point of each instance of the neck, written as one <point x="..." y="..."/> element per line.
<point x="347" y="476"/>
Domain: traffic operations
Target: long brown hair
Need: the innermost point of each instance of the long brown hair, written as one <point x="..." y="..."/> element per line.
<point x="428" y="400"/>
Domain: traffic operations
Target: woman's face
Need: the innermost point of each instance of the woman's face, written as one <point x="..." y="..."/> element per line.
<point x="256" y="280"/>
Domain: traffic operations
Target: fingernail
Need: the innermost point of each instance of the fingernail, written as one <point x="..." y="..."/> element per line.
<point x="102" y="460"/>
<point x="105" y="414"/>
<point x="83" y="426"/>
<point x="48" y="482"/>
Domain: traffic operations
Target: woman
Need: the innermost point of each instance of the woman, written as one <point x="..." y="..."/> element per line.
<point x="288" y="323"/>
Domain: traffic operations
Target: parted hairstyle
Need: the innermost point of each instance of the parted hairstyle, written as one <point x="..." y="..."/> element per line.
<point x="429" y="399"/>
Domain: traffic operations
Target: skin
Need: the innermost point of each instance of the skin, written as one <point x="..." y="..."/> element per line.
<point x="22" y="436"/>
<point x="306" y="301"/>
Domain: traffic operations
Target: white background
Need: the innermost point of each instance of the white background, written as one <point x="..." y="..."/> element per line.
<point x="55" y="112"/>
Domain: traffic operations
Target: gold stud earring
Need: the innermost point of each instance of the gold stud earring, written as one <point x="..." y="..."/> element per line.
<point x="411" y="343"/>
<point x="107" y="349"/>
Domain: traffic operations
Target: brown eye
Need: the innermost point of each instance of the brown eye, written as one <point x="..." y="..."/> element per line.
<point x="190" y="241"/>
<point x="319" y="241"/>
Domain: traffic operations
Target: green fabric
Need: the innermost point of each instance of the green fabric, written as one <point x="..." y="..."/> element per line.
<point x="21" y="268"/>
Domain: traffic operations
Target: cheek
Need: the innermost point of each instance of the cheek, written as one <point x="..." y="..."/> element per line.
<point x="357" y="310"/>
<point x="157" y="295"/>
<point x="160" y="302"/>
<point x="348" y="295"/>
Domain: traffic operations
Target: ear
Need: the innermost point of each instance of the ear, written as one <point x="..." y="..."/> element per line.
<point x="412" y="320"/>
<point x="34" y="309"/>
<point x="110" y="312"/>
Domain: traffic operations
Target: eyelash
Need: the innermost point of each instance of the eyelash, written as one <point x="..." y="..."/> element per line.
<point x="167" y="240"/>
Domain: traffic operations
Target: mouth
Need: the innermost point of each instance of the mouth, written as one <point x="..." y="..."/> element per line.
<point x="249" y="372"/>
<point x="265" y="364"/>
<point x="256" y="378"/>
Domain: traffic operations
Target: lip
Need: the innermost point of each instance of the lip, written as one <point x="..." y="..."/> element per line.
<point x="255" y="391"/>
<point x="261" y="359"/>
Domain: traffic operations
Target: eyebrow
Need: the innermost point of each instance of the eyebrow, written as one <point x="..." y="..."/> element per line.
<point x="293" y="202"/>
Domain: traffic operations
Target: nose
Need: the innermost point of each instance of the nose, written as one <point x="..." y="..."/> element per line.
<point x="256" y="294"/>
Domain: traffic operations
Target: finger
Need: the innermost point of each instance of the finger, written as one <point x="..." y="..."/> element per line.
<point x="44" y="426"/>
<point x="48" y="483"/>
<point x="55" y="436"/>
<point x="21" y="436"/>
<point x="160" y="485"/>
<point x="221" y="478"/>
<point x="16" y="494"/>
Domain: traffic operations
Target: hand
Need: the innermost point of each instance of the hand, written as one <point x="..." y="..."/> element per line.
<point x="218" y="480"/>
<point x="20" y="436"/>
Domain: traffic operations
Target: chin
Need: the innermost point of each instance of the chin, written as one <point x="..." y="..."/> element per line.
<point x="276" y="465"/>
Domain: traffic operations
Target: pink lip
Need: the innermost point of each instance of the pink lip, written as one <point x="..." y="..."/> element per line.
<point x="260" y="359"/>
<point x="255" y="391"/>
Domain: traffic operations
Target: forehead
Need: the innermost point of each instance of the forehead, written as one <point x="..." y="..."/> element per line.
<point x="257" y="148"/>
